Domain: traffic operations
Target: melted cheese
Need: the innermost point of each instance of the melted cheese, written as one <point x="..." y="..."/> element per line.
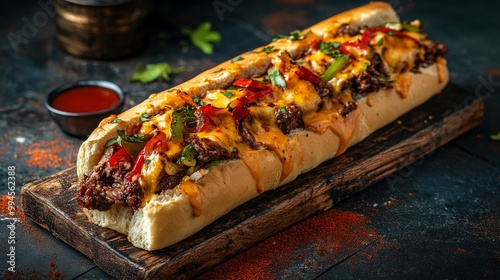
<point x="330" y="118"/>
<point x="398" y="55"/>
<point x="150" y="174"/>
<point x="190" y="189"/>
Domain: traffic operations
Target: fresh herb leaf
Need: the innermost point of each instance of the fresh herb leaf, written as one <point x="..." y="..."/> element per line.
<point x="283" y="109"/>
<point x="198" y="101"/>
<point x="155" y="72"/>
<point x="238" y="58"/>
<point x="231" y="87"/>
<point x="366" y="65"/>
<point x="218" y="70"/>
<point x="380" y="42"/>
<point x="274" y="75"/>
<point x="330" y="49"/>
<point x="136" y="138"/>
<point x="202" y="37"/>
<point x="268" y="49"/>
<point x="294" y="36"/>
<point x="115" y="121"/>
<point x="145" y="117"/>
<point x="227" y="94"/>
<point x="110" y="142"/>
<point x="495" y="137"/>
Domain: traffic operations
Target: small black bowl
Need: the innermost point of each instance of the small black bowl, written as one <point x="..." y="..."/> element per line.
<point x="82" y="124"/>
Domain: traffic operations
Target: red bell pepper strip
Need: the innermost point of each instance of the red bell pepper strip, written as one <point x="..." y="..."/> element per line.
<point x="249" y="84"/>
<point x="306" y="74"/>
<point x="206" y="112"/>
<point x="261" y="93"/>
<point x="118" y="156"/>
<point x="240" y="111"/>
<point x="367" y="34"/>
<point x="139" y="162"/>
<point x="158" y="141"/>
<point x="344" y="50"/>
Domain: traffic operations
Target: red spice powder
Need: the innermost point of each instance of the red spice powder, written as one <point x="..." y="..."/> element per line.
<point x="460" y="251"/>
<point x="54" y="274"/>
<point x="331" y="233"/>
<point x="53" y="154"/>
<point x="27" y="228"/>
<point x="4" y="208"/>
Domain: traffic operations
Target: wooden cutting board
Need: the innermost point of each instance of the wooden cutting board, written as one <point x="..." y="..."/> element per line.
<point x="51" y="202"/>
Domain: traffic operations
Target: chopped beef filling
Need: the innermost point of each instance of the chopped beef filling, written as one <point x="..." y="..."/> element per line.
<point x="370" y="81"/>
<point x="167" y="182"/>
<point x="324" y="90"/>
<point x="288" y="118"/>
<point x="348" y="107"/>
<point x="432" y="51"/>
<point x="108" y="185"/>
<point x="247" y="135"/>
<point x="209" y="150"/>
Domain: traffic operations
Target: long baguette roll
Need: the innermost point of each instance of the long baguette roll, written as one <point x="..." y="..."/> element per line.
<point x="166" y="217"/>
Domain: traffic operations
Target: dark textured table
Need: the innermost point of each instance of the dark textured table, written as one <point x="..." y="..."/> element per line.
<point x="439" y="219"/>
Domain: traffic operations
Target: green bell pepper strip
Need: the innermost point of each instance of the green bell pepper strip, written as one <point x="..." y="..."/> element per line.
<point x="334" y="68"/>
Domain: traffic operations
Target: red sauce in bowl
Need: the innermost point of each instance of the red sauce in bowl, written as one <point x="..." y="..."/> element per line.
<point x="85" y="99"/>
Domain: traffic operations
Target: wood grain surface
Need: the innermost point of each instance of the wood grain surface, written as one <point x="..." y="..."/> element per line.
<point x="51" y="202"/>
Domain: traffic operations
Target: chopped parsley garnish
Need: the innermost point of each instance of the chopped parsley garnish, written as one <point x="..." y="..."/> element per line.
<point x="380" y="42"/>
<point x="283" y="109"/>
<point x="227" y="94"/>
<point x="232" y="87"/>
<point x="366" y="64"/>
<point x="115" y="121"/>
<point x="202" y="37"/>
<point x="238" y="58"/>
<point x="136" y="138"/>
<point x="330" y="49"/>
<point x="154" y="72"/>
<point x="145" y="117"/>
<point x="218" y="70"/>
<point x="294" y="36"/>
<point x="198" y="101"/>
<point x="275" y="77"/>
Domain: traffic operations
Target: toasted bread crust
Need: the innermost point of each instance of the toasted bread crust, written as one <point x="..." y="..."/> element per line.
<point x="168" y="218"/>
